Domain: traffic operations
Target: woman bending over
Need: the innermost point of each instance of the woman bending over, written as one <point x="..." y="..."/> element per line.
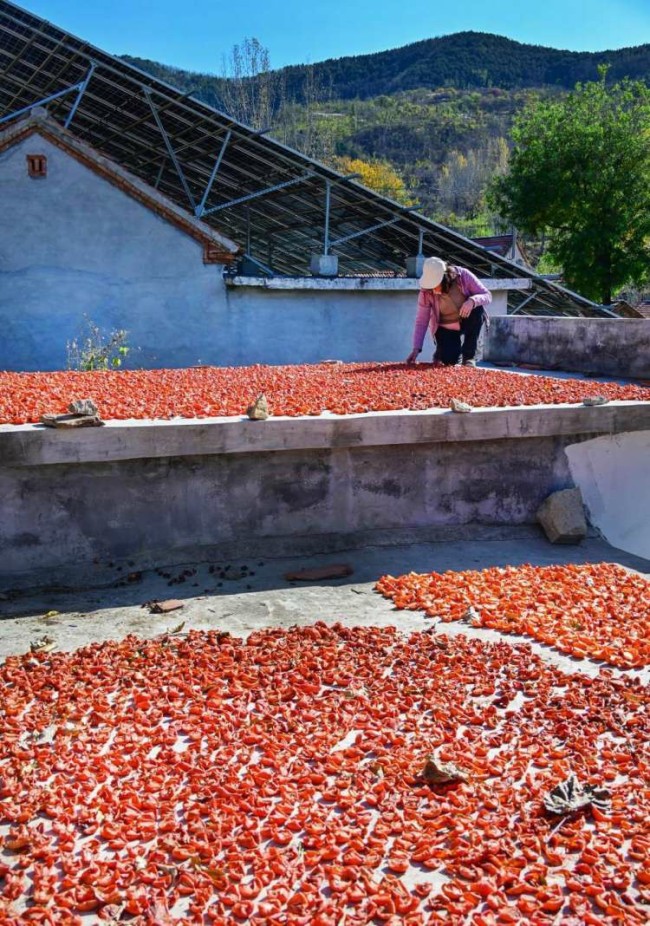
<point x="452" y="305"/>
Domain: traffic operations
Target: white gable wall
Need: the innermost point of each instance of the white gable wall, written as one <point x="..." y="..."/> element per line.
<point x="74" y="244"/>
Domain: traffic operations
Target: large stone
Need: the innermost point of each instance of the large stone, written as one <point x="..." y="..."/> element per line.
<point x="563" y="518"/>
<point x="83" y="407"/>
<point x="259" y="410"/>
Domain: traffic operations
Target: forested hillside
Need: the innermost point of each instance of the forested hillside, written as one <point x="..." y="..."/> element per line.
<point x="465" y="60"/>
<point x="435" y="115"/>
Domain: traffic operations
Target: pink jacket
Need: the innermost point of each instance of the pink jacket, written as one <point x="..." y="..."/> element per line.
<point x="428" y="312"/>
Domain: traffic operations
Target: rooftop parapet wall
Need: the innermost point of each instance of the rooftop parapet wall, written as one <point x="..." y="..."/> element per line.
<point x="149" y="493"/>
<point x="33" y="446"/>
<point x="607" y="347"/>
<point x="285" y="320"/>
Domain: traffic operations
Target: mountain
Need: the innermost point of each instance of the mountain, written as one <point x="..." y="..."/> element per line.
<point x="464" y="60"/>
<point x="438" y="112"/>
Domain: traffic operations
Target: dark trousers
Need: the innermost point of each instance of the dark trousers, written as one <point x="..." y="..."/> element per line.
<point x="451" y="344"/>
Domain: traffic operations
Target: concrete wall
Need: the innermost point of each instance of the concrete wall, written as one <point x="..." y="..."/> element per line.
<point x="297" y="326"/>
<point x="613" y="474"/>
<point x="611" y="347"/>
<point x="150" y="493"/>
<point x="326" y="319"/>
<point x="72" y="244"/>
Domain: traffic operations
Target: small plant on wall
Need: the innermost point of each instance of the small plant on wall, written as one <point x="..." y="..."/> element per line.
<point x="96" y="350"/>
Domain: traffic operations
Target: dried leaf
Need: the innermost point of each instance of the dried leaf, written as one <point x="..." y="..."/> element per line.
<point x="178" y="627"/>
<point x="570" y="796"/>
<point x="42" y="645"/>
<point x="439" y="773"/>
<point x="164" y="607"/>
<point x="472" y="617"/>
<point x="352" y="694"/>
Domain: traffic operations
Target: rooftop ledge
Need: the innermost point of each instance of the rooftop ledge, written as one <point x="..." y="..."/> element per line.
<point x="34" y="445"/>
<point x="382" y="284"/>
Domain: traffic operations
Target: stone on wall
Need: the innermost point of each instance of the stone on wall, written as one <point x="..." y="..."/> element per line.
<point x="563" y="518"/>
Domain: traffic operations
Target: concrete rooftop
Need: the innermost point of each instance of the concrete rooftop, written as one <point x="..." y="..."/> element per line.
<point x="263" y="598"/>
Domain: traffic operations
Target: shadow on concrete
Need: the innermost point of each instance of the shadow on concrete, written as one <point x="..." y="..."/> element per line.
<point x="244" y="576"/>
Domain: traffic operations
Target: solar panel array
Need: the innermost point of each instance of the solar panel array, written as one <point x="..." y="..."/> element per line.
<point x="265" y="196"/>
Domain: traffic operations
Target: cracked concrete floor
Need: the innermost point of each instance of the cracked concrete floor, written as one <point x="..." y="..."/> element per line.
<point x="263" y="598"/>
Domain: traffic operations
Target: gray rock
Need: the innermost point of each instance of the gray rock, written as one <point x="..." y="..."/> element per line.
<point x="83" y="407"/>
<point x="563" y="518"/>
<point x="457" y="406"/>
<point x="259" y="410"/>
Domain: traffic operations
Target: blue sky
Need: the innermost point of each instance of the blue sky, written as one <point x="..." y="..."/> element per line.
<point x="196" y="34"/>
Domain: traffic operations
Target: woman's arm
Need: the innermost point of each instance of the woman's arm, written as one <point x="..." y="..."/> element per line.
<point x="422" y="319"/>
<point x="473" y="288"/>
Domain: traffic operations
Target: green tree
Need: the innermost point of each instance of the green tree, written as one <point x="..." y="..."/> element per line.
<point x="580" y="173"/>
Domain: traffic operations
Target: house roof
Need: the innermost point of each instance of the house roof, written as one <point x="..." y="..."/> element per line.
<point x="498" y="244"/>
<point x="266" y="197"/>
<point x="216" y="247"/>
<point x="501" y="244"/>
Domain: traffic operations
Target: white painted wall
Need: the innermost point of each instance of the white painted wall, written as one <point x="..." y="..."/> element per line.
<point x="307" y="326"/>
<point x="72" y="244"/>
<point x="325" y="319"/>
<point x="613" y="474"/>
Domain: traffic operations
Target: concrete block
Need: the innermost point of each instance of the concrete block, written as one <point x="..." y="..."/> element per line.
<point x="563" y="518"/>
<point x="414" y="266"/>
<point x="324" y="265"/>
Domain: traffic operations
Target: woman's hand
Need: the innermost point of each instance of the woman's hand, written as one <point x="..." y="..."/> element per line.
<point x="413" y="356"/>
<point x="466" y="308"/>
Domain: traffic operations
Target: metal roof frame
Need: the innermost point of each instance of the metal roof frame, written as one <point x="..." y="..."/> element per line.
<point x="267" y="197"/>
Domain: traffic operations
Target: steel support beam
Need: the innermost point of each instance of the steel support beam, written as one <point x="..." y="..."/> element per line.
<point x="328" y="203"/>
<point x="372" y="228"/>
<point x="44" y="102"/>
<point x="170" y="150"/>
<point x="200" y="209"/>
<point x="270" y="189"/>
<point x="159" y="176"/>
<point x="518" y="308"/>
<point x="328" y="207"/>
<point x="258" y="263"/>
<point x="82" y="90"/>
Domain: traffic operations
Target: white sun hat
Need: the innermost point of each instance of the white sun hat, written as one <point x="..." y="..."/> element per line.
<point x="433" y="271"/>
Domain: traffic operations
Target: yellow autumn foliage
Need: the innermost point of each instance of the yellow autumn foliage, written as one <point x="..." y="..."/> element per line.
<point x="377" y="175"/>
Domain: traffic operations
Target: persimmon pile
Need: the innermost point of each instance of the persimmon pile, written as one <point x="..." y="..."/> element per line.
<point x="600" y="611"/>
<point x="278" y="780"/>
<point x="291" y="390"/>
